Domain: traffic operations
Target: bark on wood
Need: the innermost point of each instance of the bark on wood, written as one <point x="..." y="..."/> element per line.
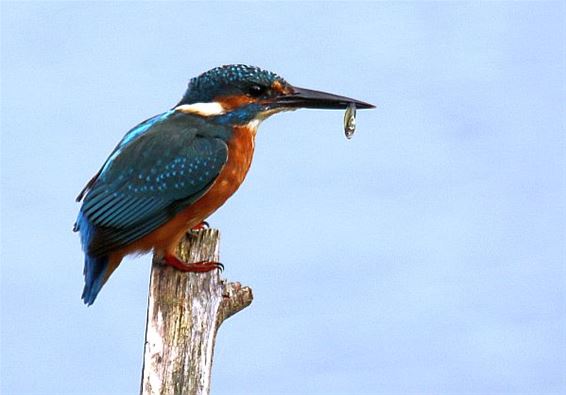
<point x="184" y="313"/>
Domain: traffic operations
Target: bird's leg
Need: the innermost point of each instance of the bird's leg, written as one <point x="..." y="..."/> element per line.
<point x="196" y="267"/>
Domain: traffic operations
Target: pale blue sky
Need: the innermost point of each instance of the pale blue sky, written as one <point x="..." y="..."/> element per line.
<point x="426" y="255"/>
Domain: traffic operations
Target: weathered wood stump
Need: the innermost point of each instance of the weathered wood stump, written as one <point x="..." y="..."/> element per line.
<point x="184" y="313"/>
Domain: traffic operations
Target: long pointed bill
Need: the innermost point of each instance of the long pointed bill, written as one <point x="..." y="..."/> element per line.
<point x="307" y="98"/>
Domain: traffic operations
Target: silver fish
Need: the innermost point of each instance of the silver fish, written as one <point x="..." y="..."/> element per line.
<point x="350" y="121"/>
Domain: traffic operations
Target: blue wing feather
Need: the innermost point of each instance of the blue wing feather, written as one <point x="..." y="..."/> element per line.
<point x="158" y="169"/>
<point x="128" y="137"/>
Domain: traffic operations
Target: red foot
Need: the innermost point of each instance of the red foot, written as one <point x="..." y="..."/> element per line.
<point x="201" y="226"/>
<point x="197" y="267"/>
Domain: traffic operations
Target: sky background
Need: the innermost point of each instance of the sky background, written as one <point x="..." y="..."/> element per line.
<point x="424" y="256"/>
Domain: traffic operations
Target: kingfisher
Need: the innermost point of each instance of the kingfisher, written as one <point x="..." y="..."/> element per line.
<point x="172" y="171"/>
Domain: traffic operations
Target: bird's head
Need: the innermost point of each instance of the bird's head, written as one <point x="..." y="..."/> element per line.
<point x="240" y="94"/>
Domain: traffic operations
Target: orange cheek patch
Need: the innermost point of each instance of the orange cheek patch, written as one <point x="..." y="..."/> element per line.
<point x="232" y="102"/>
<point x="279" y="87"/>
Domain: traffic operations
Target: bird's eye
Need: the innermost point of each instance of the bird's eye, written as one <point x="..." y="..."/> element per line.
<point x="256" y="90"/>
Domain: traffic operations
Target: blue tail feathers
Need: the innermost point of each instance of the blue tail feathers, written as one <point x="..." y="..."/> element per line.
<point x="95" y="267"/>
<point x="94" y="272"/>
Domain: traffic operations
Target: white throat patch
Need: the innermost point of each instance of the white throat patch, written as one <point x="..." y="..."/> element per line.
<point x="253" y="124"/>
<point x="203" y="109"/>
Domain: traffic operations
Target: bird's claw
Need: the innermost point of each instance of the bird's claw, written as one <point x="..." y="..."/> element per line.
<point x="194" y="267"/>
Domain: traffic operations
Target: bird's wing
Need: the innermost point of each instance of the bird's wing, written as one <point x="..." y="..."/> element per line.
<point x="130" y="136"/>
<point x="149" y="179"/>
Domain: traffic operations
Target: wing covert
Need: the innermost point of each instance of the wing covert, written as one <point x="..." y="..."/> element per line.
<point x="149" y="180"/>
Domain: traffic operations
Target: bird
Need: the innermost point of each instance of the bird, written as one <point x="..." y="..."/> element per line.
<point x="173" y="170"/>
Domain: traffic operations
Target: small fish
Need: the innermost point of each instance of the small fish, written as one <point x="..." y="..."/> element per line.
<point x="350" y="121"/>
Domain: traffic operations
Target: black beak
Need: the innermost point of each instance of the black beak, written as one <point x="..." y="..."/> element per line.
<point x="307" y="98"/>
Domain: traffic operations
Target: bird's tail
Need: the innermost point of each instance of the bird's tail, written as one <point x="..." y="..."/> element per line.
<point x="97" y="269"/>
<point x="95" y="276"/>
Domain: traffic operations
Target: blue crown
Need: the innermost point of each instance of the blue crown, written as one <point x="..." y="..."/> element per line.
<point x="227" y="80"/>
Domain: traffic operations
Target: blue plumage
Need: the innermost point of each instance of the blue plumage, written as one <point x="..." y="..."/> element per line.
<point x="95" y="266"/>
<point x="150" y="177"/>
<point x="133" y="133"/>
<point x="227" y="80"/>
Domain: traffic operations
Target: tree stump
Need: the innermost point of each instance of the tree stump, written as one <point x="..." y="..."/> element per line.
<point x="184" y="313"/>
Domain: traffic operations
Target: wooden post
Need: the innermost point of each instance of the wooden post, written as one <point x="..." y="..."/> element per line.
<point x="184" y="313"/>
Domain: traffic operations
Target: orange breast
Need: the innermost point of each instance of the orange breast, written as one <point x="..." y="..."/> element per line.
<point x="166" y="237"/>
